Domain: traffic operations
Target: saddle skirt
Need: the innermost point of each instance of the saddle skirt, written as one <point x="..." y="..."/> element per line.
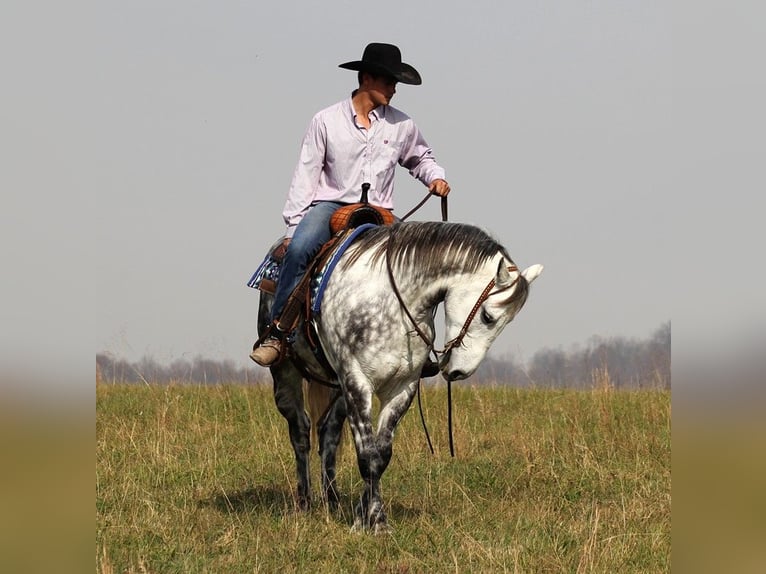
<point x="266" y="275"/>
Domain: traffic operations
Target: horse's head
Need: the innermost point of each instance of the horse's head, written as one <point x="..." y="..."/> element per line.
<point x="477" y="310"/>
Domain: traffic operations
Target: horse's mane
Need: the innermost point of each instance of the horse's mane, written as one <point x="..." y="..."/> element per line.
<point x="434" y="248"/>
<point x="430" y="246"/>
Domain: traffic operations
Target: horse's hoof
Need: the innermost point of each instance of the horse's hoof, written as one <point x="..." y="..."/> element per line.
<point x="304" y="503"/>
<point x="381" y="529"/>
<point x="332" y="498"/>
<point x="358" y="526"/>
<point x="378" y="529"/>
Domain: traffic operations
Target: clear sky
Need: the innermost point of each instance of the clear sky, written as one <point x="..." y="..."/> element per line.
<point x="148" y="148"/>
<point x="176" y="126"/>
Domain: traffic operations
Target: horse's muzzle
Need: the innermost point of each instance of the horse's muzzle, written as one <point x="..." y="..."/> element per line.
<point x="456" y="375"/>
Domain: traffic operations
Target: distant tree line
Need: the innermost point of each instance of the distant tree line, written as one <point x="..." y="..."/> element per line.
<point x="617" y="362"/>
<point x="198" y="370"/>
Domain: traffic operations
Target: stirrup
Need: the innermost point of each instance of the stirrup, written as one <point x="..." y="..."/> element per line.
<point x="272" y="332"/>
<point x="268" y="332"/>
<point x="268" y="354"/>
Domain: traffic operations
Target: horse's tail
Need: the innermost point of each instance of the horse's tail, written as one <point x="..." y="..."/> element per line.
<point x="319" y="398"/>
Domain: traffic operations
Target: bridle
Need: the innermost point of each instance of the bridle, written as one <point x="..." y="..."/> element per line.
<point x="451" y="344"/>
<point x="458" y="340"/>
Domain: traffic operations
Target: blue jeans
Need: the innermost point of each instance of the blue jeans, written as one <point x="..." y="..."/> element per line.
<point x="312" y="232"/>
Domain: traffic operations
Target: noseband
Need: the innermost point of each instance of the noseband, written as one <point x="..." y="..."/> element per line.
<point x="457" y="341"/>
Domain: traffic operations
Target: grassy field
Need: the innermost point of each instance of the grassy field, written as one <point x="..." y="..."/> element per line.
<point x="201" y="479"/>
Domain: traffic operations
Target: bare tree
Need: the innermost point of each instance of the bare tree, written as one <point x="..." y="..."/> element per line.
<point x="628" y="363"/>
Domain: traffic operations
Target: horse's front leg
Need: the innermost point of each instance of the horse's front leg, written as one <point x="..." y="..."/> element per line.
<point x="374" y="453"/>
<point x="288" y="396"/>
<point x="358" y="396"/>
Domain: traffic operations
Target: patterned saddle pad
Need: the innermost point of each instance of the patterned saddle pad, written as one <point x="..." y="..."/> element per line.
<point x="268" y="271"/>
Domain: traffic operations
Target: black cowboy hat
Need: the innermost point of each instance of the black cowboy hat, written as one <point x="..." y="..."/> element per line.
<point x="385" y="59"/>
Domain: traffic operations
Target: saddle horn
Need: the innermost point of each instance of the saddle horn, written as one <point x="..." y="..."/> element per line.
<point x="356" y="214"/>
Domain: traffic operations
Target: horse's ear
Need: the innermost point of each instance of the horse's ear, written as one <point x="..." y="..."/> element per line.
<point x="503" y="277"/>
<point x="532" y="272"/>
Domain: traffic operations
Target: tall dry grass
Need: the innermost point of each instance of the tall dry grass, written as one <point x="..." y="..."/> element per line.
<point x="201" y="479"/>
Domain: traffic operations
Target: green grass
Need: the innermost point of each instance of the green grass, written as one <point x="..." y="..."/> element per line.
<point x="201" y="479"/>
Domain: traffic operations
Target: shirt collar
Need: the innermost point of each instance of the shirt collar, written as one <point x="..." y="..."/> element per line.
<point x="379" y="112"/>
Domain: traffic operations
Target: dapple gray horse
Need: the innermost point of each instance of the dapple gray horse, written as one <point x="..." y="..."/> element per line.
<point x="376" y="329"/>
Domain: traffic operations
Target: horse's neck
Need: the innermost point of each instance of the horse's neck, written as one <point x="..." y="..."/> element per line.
<point x="423" y="293"/>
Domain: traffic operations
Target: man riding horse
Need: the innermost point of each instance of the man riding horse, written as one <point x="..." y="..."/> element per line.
<point x="357" y="141"/>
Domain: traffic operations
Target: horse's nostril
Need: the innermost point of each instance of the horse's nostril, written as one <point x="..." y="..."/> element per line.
<point x="456" y="375"/>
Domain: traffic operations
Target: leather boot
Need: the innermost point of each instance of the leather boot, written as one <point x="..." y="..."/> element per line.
<point x="268" y="353"/>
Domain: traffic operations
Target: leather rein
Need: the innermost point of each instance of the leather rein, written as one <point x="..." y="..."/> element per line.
<point x="456" y="341"/>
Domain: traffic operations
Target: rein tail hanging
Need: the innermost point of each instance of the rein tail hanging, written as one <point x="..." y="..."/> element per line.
<point x="456" y="342"/>
<point x="422" y="335"/>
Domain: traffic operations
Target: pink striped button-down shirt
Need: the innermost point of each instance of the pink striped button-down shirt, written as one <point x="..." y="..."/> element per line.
<point x="337" y="156"/>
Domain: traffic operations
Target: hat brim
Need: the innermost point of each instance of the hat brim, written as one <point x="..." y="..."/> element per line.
<point x="405" y="74"/>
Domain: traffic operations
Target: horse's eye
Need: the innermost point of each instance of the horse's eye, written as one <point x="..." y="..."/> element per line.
<point x="487" y="319"/>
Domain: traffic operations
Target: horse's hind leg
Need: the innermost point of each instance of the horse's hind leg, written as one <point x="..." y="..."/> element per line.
<point x="330" y="432"/>
<point x="288" y="396"/>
